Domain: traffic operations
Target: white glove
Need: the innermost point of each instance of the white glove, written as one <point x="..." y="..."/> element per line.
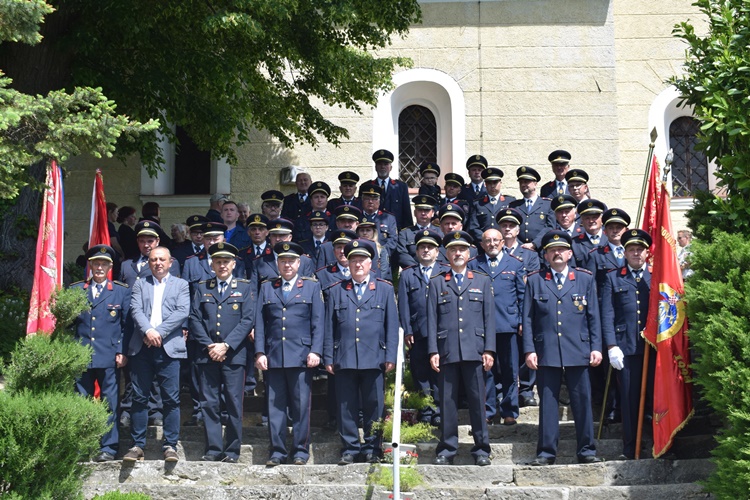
<point x="616" y="358"/>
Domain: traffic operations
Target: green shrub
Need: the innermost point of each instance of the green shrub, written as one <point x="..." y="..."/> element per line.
<point x="408" y="477"/>
<point x="42" y="364"/>
<point x="117" y="495"/>
<point x="420" y="432"/>
<point x="718" y="298"/>
<point x="43" y="438"/>
<point x="67" y="305"/>
<point x="14" y="309"/>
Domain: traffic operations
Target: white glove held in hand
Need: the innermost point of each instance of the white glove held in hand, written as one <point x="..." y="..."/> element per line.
<point x="616" y="358"/>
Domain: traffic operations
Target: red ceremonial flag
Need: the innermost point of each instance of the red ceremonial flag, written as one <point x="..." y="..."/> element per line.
<point x="49" y="255"/>
<point x="666" y="329"/>
<point x="648" y="221"/>
<point x="99" y="228"/>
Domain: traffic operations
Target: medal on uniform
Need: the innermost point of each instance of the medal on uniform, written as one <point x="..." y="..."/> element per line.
<point x="541" y="216"/>
<point x="584" y="301"/>
<point x="113" y="313"/>
<point x="576" y="303"/>
<point x="580" y="308"/>
<point x="235" y="306"/>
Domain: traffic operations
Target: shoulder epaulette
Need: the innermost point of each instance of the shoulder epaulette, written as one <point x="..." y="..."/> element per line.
<point x="545" y="198"/>
<point x="203" y="282"/>
<point x="480" y="272"/>
<point x="595" y="249"/>
<point x="613" y="269"/>
<point x="411" y="267"/>
<point x="440" y="274"/>
<point x="310" y="278"/>
<point x="242" y="280"/>
<point x="77" y="282"/>
<point x="191" y="256"/>
<point x="583" y="270"/>
<point x="334" y="284"/>
<point x="321" y="268"/>
<point x="116" y="282"/>
<point x="384" y="281"/>
<point x="531" y="273"/>
<point x="519" y="259"/>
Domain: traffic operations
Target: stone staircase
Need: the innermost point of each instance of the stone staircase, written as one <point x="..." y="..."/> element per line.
<point x="507" y="478"/>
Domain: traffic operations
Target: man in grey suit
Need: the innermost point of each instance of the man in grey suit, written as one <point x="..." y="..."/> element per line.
<point x="160" y="305"/>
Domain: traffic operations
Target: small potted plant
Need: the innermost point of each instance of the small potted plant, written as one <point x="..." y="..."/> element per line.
<point x="409" y="478"/>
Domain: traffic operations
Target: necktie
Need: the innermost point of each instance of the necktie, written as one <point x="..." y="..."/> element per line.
<point x="560" y="187"/>
<point x="383" y="184"/>
<point x="345" y="271"/>
<point x="494" y="262"/>
<point x="317" y="243"/>
<point x="594" y="240"/>
<point x="459" y="280"/>
<point x="301" y="198"/>
<point x="558" y="279"/>
<point x="426" y="273"/>
<point x="620" y="254"/>
<point x="257" y="251"/>
<point x="141" y="263"/>
<point x="286" y="289"/>
<point x="637" y="275"/>
<point x="493" y="200"/>
<point x="476" y="189"/>
<point x="360" y="290"/>
<point x="98" y="290"/>
<point x="506" y="250"/>
<point x="196" y="248"/>
<point x="222" y="288"/>
<point x="529" y="203"/>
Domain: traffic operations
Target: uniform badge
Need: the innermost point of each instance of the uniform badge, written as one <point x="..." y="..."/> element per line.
<point x="235" y="306"/>
<point x="541" y="216"/>
<point x="580" y="308"/>
<point x="113" y="313"/>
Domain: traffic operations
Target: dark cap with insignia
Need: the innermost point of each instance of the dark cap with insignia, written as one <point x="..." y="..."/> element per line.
<point x="210" y="228"/>
<point x="257" y="220"/>
<point x="528" y="173"/>
<point x="616" y="215"/>
<point x="343" y="236"/>
<point x="424" y="201"/>
<point x="147" y="228"/>
<point x="317" y="215"/>
<point x="370" y="188"/>
<point x="222" y="249"/>
<point x="194" y="222"/>
<point x="451" y="210"/>
<point x="320" y="187"/>
<point x="272" y="195"/>
<point x="348" y="177"/>
<point x="591" y="207"/>
<point x="288" y="249"/>
<point x="280" y="226"/>
<point x="636" y="237"/>
<point x="105" y="252"/>
<point x="557" y="238"/>
<point x="365" y="222"/>
<point x="428" y="236"/>
<point x="476" y="161"/>
<point x="559" y="156"/>
<point x="509" y="215"/>
<point x="359" y="247"/>
<point x="457" y="238"/>
<point x="562" y="201"/>
<point x="453" y="178"/>
<point x="492" y="174"/>
<point x="429" y="167"/>
<point x="347" y="212"/>
<point x="576" y="174"/>
<point x="382" y="155"/>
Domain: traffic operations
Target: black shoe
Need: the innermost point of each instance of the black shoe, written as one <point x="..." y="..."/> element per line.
<point x="300" y="461"/>
<point x="482" y="461"/>
<point x="436" y="421"/>
<point x="346" y="459"/>
<point x="590" y="459"/>
<point x="490" y="422"/>
<point x="442" y="460"/>
<point x="262" y="424"/>
<point x="193" y="422"/>
<point x="229" y="460"/>
<point x="156" y="421"/>
<point x="529" y="402"/>
<point x="211" y="458"/>
<point x="623" y="457"/>
<point x="539" y="461"/>
<point x="104" y="457"/>
<point x="273" y="462"/>
<point x="371" y="458"/>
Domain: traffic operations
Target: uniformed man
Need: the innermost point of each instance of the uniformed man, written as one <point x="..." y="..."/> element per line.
<point x="195" y="243"/>
<point x="590" y="213"/>
<point x="318" y="193"/>
<point x="318" y="222"/>
<point x="560" y="162"/>
<point x="257" y="228"/>
<point x="288" y="346"/>
<point x="413" y="290"/>
<point x="424" y="212"/>
<point x="578" y="185"/>
<point x="461" y="345"/>
<point x="103" y="328"/>
<point x="298" y="203"/>
<point x="506" y="274"/>
<point x="347" y="217"/>
<point x="484" y="210"/>
<point x="394" y="197"/>
<point x="625" y="299"/>
<point x="603" y="259"/>
<point x="509" y="223"/>
<point x="271" y="205"/>
<point x="562" y="332"/>
<point x="385" y="222"/>
<point x="221" y="316"/>
<point x="348" y="186"/>
<point x="147" y="237"/>
<point x="451" y="219"/>
<point x="537" y="213"/>
<point x="454" y="184"/>
<point x="564" y="206"/>
<point x="339" y="270"/>
<point x="265" y="267"/>
<point x="361" y="339"/>
<point x="429" y="171"/>
<point x="475" y="189"/>
<point x="381" y="263"/>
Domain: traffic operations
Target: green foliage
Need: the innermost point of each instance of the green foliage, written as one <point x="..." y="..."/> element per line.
<point x="42" y="439"/>
<point x="715" y="213"/>
<point x="41" y="364"/>
<point x="718" y="298"/>
<point x="717" y="84"/>
<point x="67" y="305"/>
<point x="409" y="398"/>
<point x="117" y="495"/>
<point x="21" y="20"/>
<point x="408" y="477"/>
<point x="421" y="432"/>
<point x="14" y="308"/>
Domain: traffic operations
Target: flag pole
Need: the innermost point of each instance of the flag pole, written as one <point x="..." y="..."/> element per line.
<point x="644" y="185"/>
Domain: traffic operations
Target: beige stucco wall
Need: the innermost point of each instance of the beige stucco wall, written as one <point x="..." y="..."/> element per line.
<point x="535" y="76"/>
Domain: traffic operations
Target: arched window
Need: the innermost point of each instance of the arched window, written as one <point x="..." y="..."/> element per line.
<point x="192" y="166"/>
<point x="417" y="139"/>
<point x="690" y="167"/>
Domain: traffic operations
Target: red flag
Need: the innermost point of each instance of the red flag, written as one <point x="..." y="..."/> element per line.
<point x="648" y="221"/>
<point x="99" y="228"/>
<point x="49" y="255"/>
<point x="666" y="329"/>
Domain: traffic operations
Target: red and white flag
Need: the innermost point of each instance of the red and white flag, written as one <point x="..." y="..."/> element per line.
<point x="98" y="228"/>
<point x="48" y="265"/>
